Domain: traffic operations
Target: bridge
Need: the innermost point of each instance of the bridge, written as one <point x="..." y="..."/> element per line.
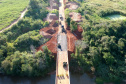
<point x="62" y="64"/>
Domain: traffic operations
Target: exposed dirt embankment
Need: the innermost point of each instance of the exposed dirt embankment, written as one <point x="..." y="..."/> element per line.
<point x="51" y="33"/>
<point x="53" y="5"/>
<point x="72" y="5"/>
<point x="72" y="37"/>
<point x="15" y="21"/>
<point x="75" y="16"/>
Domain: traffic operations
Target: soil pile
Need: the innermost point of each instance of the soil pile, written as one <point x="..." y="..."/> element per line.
<point x="72" y="5"/>
<point x="75" y="16"/>
<point x="51" y="17"/>
<point x="72" y="37"/>
<point x="51" y="33"/>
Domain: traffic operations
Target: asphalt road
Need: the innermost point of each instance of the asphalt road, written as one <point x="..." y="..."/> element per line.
<point x="62" y="40"/>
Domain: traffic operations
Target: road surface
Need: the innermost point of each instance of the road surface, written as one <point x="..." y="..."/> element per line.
<point x="62" y="73"/>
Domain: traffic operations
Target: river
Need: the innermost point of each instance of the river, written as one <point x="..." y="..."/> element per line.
<point x="74" y="79"/>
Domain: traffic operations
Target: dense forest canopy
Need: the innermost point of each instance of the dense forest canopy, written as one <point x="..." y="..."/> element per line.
<point x="104" y="53"/>
<point x="18" y="44"/>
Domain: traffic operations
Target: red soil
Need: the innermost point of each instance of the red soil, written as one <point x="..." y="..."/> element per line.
<point x="52" y="43"/>
<point x="51" y="32"/>
<point x="71" y="5"/>
<point x="71" y="38"/>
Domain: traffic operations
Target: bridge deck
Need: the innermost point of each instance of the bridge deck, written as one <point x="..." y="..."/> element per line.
<point x="62" y="73"/>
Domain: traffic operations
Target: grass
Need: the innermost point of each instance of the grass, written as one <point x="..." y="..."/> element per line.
<point x="105" y="4"/>
<point x="10" y="10"/>
<point x="96" y="10"/>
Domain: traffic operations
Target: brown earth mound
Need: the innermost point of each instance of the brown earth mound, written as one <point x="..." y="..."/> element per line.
<point x="51" y="17"/>
<point x="72" y="5"/>
<point x="53" y="5"/>
<point x="48" y="32"/>
<point x="72" y="37"/>
<point x="55" y="24"/>
<point x="51" y="44"/>
<point x="78" y="32"/>
<point x="75" y="16"/>
<point x="51" y="31"/>
<point x="46" y="35"/>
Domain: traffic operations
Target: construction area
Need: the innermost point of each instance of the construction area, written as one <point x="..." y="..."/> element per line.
<point x="61" y="40"/>
<point x="51" y="31"/>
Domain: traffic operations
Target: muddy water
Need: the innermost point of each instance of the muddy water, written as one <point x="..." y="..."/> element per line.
<point x="81" y="79"/>
<point x="74" y="79"/>
<point x="116" y="17"/>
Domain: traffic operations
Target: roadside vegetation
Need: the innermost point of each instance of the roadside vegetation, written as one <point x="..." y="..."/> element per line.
<point x="103" y="48"/>
<point x="55" y="11"/>
<point x="18" y="44"/>
<point x="10" y="10"/>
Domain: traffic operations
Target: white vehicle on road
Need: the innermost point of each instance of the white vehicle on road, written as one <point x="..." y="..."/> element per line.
<point x="60" y="16"/>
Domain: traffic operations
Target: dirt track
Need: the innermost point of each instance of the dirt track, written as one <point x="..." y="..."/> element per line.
<point x="16" y="21"/>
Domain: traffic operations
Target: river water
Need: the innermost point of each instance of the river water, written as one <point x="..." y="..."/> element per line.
<point x="74" y="79"/>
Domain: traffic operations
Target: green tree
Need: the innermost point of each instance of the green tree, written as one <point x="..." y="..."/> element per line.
<point x="73" y="25"/>
<point x="122" y="43"/>
<point x="108" y="58"/>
